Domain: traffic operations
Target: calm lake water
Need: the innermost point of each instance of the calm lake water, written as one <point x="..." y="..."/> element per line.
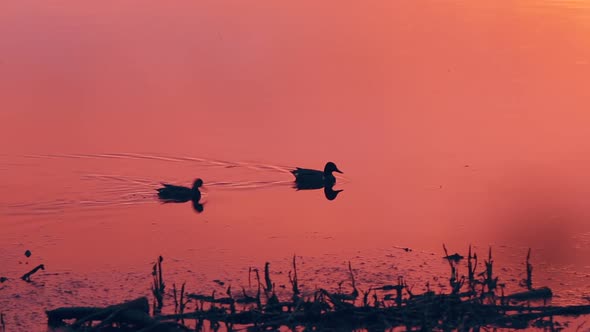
<point x="454" y="122"/>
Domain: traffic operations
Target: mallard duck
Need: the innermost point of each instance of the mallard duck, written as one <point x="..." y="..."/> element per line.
<point x="315" y="179"/>
<point x="180" y="194"/>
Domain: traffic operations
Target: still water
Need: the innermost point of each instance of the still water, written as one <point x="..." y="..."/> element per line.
<point x="454" y="122"/>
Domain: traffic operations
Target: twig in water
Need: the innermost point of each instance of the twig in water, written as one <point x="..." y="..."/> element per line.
<point x="293" y="280"/>
<point x="160" y="259"/>
<point x="529" y="272"/>
<point x="366" y="297"/>
<point x="455" y="282"/>
<point x="447" y="255"/>
<point x="488" y="275"/>
<point x="355" y="292"/>
<point x="182" y="301"/>
<point x="179" y="305"/>
<point x="258" y="301"/>
<point x="232" y="302"/>
<point x="249" y="277"/>
<point x="158" y="284"/>
<point x="27" y="276"/>
<point x="376" y="302"/>
<point x="175" y="298"/>
<point x="471" y="266"/>
<point x="268" y="287"/>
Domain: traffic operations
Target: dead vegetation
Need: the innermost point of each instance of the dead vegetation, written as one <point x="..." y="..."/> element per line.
<point x="475" y="301"/>
<point x="158" y="285"/>
<point x="27" y="276"/>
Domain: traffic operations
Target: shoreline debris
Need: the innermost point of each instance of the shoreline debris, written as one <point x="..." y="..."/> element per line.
<point x="475" y="301"/>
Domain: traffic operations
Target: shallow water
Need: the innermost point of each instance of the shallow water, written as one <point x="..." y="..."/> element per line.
<point x="453" y="122"/>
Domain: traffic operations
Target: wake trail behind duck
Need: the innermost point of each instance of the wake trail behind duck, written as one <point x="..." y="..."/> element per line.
<point x="168" y="158"/>
<point x="245" y="185"/>
<point x="100" y="189"/>
<point x="59" y="206"/>
<point x="256" y="166"/>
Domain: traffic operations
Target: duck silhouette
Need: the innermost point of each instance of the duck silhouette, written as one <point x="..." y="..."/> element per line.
<point x="170" y="193"/>
<point x="310" y="179"/>
<point x="315" y="179"/>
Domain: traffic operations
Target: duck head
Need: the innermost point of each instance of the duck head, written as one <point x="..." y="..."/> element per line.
<point x="331" y="167"/>
<point x="198" y="183"/>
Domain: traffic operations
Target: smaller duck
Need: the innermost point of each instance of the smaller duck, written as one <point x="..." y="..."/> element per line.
<point x="315" y="179"/>
<point x="179" y="194"/>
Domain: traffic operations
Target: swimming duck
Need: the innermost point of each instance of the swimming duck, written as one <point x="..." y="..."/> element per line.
<point x="180" y="194"/>
<point x="315" y="179"/>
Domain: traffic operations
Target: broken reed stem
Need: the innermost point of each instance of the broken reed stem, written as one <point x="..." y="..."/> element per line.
<point x="230" y="300"/>
<point x="455" y="282"/>
<point x="489" y="279"/>
<point x="158" y="284"/>
<point x="398" y="290"/>
<point x="366" y="297"/>
<point x="179" y="305"/>
<point x="471" y="266"/>
<point x="272" y="301"/>
<point x="258" y="299"/>
<point x="351" y="276"/>
<point x="250" y="277"/>
<point x="447" y="255"/>
<point x="175" y="298"/>
<point x="161" y="284"/>
<point x="529" y="271"/>
<point x="293" y="279"/>
<point x="182" y="302"/>
<point x="27" y="276"/>
<point x="268" y="287"/>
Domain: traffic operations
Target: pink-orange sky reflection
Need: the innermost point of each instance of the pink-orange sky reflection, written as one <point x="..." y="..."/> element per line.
<point x="454" y="122"/>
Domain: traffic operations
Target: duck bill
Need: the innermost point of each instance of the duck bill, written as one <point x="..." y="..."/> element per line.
<point x="339" y="171"/>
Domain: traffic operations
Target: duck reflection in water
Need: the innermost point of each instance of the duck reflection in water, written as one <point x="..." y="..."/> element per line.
<point x="178" y="194"/>
<point x="311" y="179"/>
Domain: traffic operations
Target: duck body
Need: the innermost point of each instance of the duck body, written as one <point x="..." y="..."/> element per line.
<point x="180" y="194"/>
<point x="311" y="179"/>
<point x="315" y="179"/>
